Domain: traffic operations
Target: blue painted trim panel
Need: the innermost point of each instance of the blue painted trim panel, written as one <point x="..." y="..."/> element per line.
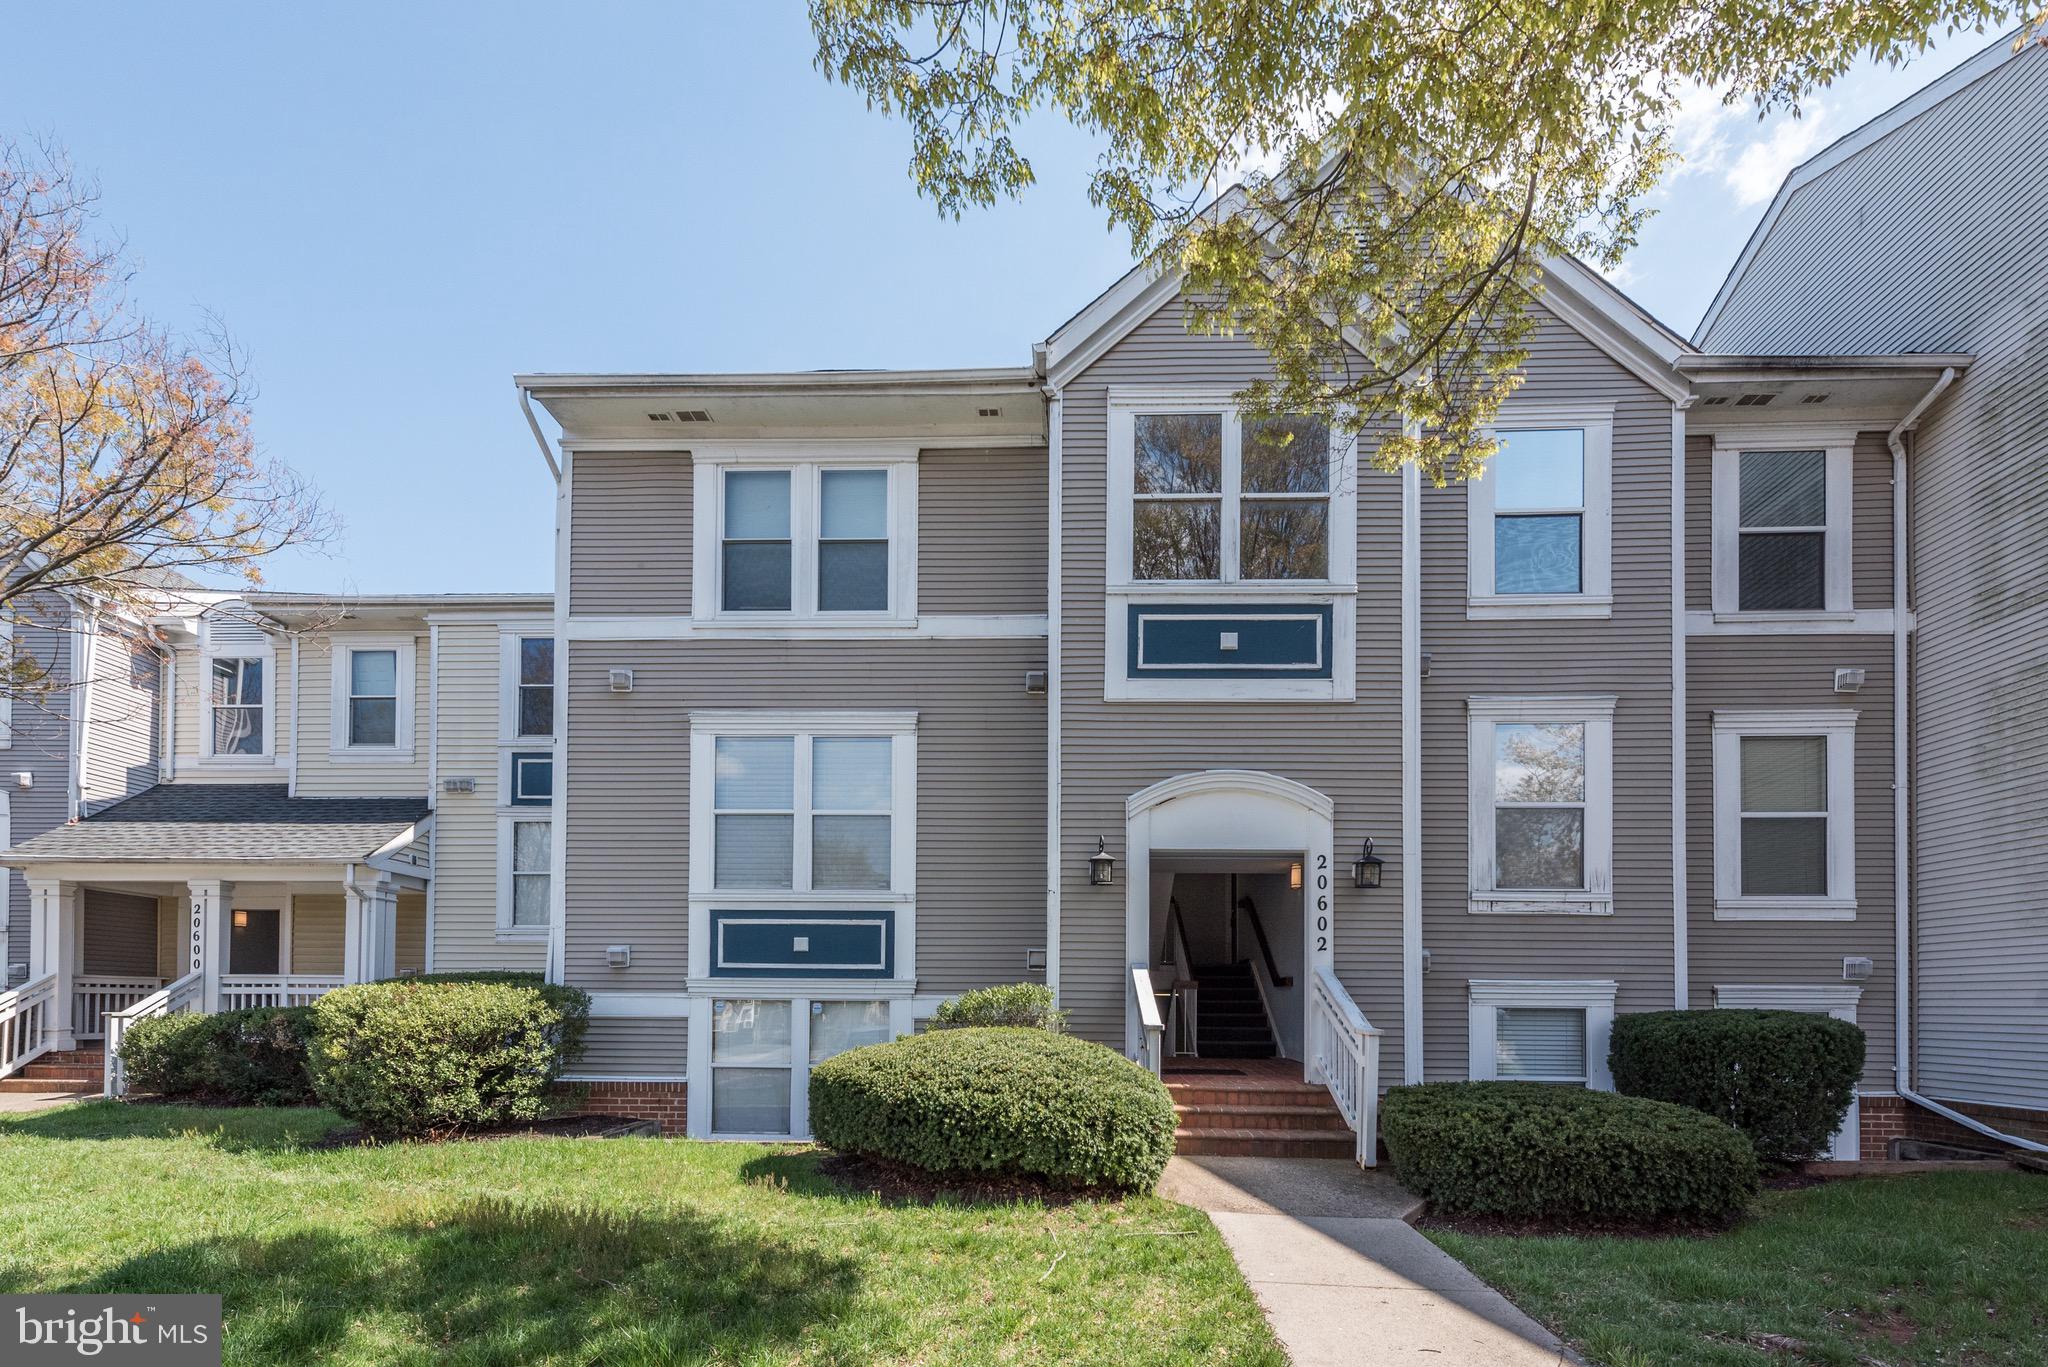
<point x="1230" y="640"/>
<point x="803" y="944"/>
<point x="533" y="779"/>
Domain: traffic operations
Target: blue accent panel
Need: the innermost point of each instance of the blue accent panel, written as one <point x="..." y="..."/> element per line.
<point x="1188" y="640"/>
<point x="803" y="944"/>
<point x="533" y="779"/>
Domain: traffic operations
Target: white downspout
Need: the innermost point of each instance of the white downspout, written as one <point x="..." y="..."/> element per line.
<point x="1902" y="1066"/>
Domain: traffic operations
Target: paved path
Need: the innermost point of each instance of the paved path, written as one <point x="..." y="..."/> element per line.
<point x="14" y="1102"/>
<point x="1342" y="1277"/>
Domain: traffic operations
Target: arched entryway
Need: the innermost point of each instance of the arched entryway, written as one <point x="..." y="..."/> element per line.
<point x="1229" y="819"/>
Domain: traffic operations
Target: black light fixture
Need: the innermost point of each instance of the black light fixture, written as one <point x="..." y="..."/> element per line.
<point x="1101" y="865"/>
<point x="1366" y="869"/>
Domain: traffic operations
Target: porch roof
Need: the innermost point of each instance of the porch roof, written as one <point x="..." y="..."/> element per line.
<point x="237" y="823"/>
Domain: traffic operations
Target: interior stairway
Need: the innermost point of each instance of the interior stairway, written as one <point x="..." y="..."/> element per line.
<point x="1230" y="1020"/>
<point x="81" y="1071"/>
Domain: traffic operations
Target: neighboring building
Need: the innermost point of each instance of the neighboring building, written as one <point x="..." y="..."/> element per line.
<point x="1926" y="230"/>
<point x="280" y="793"/>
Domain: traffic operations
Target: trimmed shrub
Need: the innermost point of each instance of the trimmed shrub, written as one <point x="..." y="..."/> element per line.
<point x="1527" y="1151"/>
<point x="1784" y="1078"/>
<point x="1027" y="1005"/>
<point x="249" y="1058"/>
<point x="413" y="1057"/>
<point x="1022" y="1102"/>
<point x="572" y="1004"/>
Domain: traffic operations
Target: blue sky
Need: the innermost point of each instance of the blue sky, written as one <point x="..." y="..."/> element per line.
<point x="394" y="208"/>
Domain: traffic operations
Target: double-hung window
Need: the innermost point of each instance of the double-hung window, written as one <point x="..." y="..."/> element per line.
<point x="535" y="691"/>
<point x="1781" y="530"/>
<point x="530" y="873"/>
<point x="1542" y="804"/>
<point x="825" y="541"/>
<point x="1218" y="499"/>
<point x="235" y="701"/>
<point x="1539" y="521"/>
<point x="1784" y="815"/>
<point x="372" y="697"/>
<point x="762" y="1050"/>
<point x="373" y="688"/>
<point x="810" y="813"/>
<point x="1541" y="1030"/>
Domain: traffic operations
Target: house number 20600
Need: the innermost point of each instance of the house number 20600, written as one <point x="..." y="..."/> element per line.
<point x="1322" y="904"/>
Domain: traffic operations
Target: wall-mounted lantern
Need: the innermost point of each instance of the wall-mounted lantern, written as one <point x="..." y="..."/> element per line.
<point x="241" y="919"/>
<point x="1294" y="876"/>
<point x="1367" y="868"/>
<point x="1101" y="865"/>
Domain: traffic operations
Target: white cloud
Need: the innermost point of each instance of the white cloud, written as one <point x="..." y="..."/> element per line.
<point x="1785" y="142"/>
<point x="1727" y="142"/>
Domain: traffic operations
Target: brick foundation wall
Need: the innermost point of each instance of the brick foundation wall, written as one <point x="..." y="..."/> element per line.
<point x="1882" y="1119"/>
<point x="1922" y="1123"/>
<point x="661" y="1102"/>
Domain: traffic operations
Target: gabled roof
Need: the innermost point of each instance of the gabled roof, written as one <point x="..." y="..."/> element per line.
<point x="1860" y="139"/>
<point x="230" y="823"/>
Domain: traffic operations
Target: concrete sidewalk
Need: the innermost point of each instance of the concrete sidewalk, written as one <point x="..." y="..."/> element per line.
<point x="15" y="1102"/>
<point x="1342" y="1277"/>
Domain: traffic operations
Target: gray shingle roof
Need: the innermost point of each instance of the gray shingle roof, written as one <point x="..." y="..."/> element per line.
<point x="228" y="822"/>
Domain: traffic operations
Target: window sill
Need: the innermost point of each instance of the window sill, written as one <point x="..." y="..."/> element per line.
<point x="1540" y="904"/>
<point x="1204" y="590"/>
<point x="1871" y="621"/>
<point x="535" y="935"/>
<point x="237" y="761"/>
<point x="1784" y="909"/>
<point x="1500" y="607"/>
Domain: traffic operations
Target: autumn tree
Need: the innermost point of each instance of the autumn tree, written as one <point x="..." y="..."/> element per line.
<point x="1397" y="173"/>
<point x="125" y="451"/>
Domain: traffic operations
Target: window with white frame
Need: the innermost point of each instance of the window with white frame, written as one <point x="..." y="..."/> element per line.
<point x="1539" y="522"/>
<point x="827" y="540"/>
<point x="1782" y="539"/>
<point x="525" y="876"/>
<point x="1542" y="804"/>
<point x="534" y="686"/>
<point x="762" y="1050"/>
<point x="237" y="673"/>
<point x="1216" y="498"/>
<point x="806" y="804"/>
<point x="1542" y="1030"/>
<point x="1784" y="815"/>
<point x="373" y="697"/>
<point x="235" y="704"/>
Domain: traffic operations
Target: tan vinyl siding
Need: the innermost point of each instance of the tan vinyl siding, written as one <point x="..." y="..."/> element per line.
<point x="320" y="774"/>
<point x="120" y="934"/>
<point x="629" y="551"/>
<point x="122" y="741"/>
<point x="411" y="948"/>
<point x="1929" y="241"/>
<point x="980" y="780"/>
<point x="466" y="824"/>
<point x="1768" y="673"/>
<point x="1628" y="656"/>
<point x="170" y="940"/>
<point x="981" y="531"/>
<point x="1348" y="751"/>
<point x="318" y="921"/>
<point x="189" y="720"/>
<point x="619" y="1046"/>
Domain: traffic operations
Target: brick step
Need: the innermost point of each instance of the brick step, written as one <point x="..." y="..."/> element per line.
<point x="66" y="1076"/>
<point x="1266" y="1142"/>
<point x="1258" y="1117"/>
<point x="89" y="1058"/>
<point x="1223" y="1092"/>
<point x="45" y="1087"/>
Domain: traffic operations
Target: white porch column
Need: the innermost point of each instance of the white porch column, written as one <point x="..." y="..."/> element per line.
<point x="56" y="944"/>
<point x="206" y="937"/>
<point x="370" y="928"/>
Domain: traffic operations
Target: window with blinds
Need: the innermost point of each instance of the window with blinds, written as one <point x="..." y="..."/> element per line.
<point x="1540" y="1044"/>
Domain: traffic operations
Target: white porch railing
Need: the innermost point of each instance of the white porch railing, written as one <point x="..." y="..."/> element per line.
<point x="25" y="1022"/>
<point x="1152" y="1027"/>
<point x="243" y="992"/>
<point x="94" y="999"/>
<point x="182" y="995"/>
<point x="1344" y="1055"/>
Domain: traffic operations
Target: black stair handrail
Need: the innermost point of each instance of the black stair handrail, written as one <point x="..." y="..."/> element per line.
<point x="1246" y="905"/>
<point x="1174" y="922"/>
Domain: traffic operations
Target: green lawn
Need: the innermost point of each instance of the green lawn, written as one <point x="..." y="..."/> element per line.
<point x="620" y="1251"/>
<point x="1948" y="1268"/>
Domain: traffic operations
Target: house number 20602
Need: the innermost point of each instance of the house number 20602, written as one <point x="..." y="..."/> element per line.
<point x="1322" y="904"/>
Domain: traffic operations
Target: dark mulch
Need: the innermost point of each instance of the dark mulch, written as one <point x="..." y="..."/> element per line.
<point x="1493" y="1226"/>
<point x="556" y="1127"/>
<point x="901" y="1184"/>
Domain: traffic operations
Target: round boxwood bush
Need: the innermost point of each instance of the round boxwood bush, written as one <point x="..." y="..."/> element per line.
<point x="1015" y="1102"/>
<point x="1527" y="1151"/>
<point x="413" y="1058"/>
<point x="572" y="1004"/>
<point x="1784" y="1078"/>
<point x="1029" y="1005"/>
<point x="255" y="1057"/>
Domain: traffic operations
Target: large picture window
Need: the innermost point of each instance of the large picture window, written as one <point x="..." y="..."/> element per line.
<point x="1542" y="816"/>
<point x="1784" y="818"/>
<point x="1781" y="530"/>
<point x="1540" y="519"/>
<point x="1216" y="499"/>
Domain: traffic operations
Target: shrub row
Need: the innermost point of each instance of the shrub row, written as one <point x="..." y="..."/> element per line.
<point x="245" y="1058"/>
<point x="1528" y="1151"/>
<point x="1025" y="1005"/>
<point x="979" y="1100"/>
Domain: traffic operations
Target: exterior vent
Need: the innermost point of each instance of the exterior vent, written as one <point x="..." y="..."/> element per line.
<point x="1713" y="402"/>
<point x="230" y="627"/>
<point x="1815" y="398"/>
<point x="991" y="412"/>
<point x="692" y="415"/>
<point x="659" y="417"/>
<point x="1754" y="400"/>
<point x="458" y="785"/>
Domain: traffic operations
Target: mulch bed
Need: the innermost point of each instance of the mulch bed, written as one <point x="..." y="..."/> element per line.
<point x="901" y="1184"/>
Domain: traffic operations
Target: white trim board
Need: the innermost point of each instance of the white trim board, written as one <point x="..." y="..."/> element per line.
<point x="1485" y="996"/>
<point x="928" y="627"/>
<point x="1837" y="726"/>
